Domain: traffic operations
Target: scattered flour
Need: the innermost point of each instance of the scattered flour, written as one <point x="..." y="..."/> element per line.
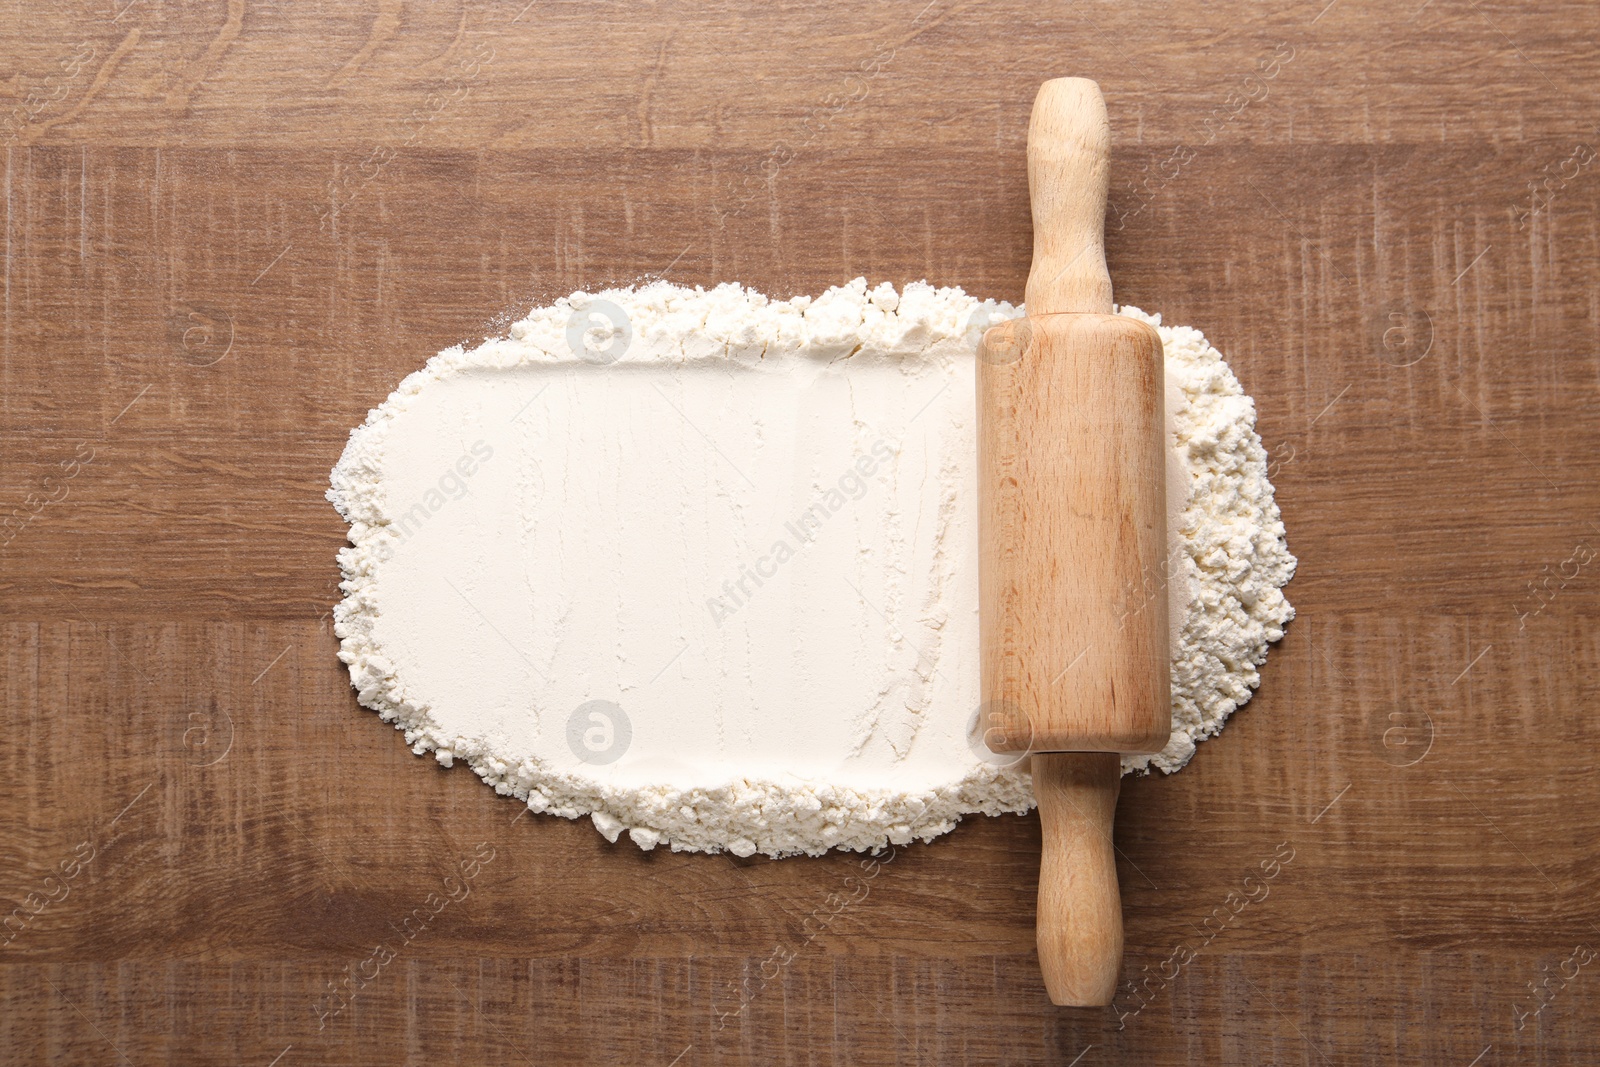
<point x="702" y="565"/>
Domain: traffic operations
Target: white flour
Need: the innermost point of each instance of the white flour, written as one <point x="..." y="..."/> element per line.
<point x="708" y="573"/>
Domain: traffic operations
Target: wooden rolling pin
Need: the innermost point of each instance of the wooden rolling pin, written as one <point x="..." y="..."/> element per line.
<point x="1072" y="527"/>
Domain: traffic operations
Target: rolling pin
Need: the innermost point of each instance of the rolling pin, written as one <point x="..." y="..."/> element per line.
<point x="1072" y="527"/>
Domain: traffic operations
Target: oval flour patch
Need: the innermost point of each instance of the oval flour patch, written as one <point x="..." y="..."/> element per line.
<point x="701" y="565"/>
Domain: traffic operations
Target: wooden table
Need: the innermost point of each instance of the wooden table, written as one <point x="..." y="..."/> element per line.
<point x="231" y="229"/>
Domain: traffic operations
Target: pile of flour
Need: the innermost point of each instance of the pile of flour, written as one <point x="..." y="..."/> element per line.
<point x="703" y="565"/>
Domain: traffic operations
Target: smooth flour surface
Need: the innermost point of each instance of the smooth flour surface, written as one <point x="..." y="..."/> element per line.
<point x="703" y="565"/>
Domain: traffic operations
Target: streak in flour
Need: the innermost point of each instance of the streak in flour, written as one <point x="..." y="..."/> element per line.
<point x="804" y="527"/>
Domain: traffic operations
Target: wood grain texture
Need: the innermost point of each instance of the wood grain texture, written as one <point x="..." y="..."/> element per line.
<point x="1072" y="510"/>
<point x="232" y="228"/>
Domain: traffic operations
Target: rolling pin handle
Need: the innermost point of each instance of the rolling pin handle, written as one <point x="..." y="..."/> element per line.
<point x="1079" y="924"/>
<point x="1069" y="174"/>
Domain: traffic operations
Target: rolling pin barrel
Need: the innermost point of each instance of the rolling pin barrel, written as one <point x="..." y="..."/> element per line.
<point x="1072" y="524"/>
